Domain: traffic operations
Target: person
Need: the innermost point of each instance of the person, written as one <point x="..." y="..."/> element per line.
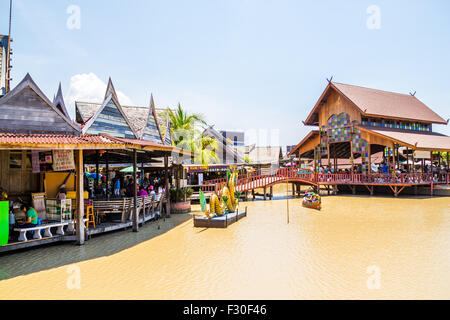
<point x="117" y="187"/>
<point x="142" y="191"/>
<point x="12" y="222"/>
<point x="62" y="192"/>
<point x="31" y="218"/>
<point x="152" y="191"/>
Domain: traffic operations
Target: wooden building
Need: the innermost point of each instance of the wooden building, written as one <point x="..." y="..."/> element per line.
<point x="104" y="133"/>
<point x="357" y="122"/>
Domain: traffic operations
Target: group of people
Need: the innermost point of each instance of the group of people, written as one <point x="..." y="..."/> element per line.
<point x="123" y="186"/>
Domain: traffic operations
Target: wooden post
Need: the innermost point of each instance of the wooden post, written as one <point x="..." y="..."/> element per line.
<point x="407" y="161"/>
<point x="97" y="170"/>
<point x="107" y="174"/>
<point x="135" y="215"/>
<point x="328" y="151"/>
<point x="80" y="197"/>
<point x="166" y="175"/>
<point x="271" y="193"/>
<point x="370" y="159"/>
<point x="265" y="193"/>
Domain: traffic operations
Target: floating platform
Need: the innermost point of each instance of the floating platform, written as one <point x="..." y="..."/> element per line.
<point x="219" y="222"/>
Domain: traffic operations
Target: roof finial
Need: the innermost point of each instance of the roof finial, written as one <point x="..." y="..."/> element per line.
<point x="329" y="80"/>
<point x="413" y="94"/>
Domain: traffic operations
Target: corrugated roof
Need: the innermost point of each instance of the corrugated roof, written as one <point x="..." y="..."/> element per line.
<point x="265" y="155"/>
<point x="86" y="109"/>
<point x="388" y="104"/>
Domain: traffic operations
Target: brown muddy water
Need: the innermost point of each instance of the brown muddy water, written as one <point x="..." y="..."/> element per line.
<point x="357" y="247"/>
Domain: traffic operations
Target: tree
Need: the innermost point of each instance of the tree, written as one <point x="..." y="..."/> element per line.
<point x="185" y="135"/>
<point x="181" y="123"/>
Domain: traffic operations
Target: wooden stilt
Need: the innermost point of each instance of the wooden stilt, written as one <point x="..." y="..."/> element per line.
<point x="271" y="192"/>
<point x="265" y="193"/>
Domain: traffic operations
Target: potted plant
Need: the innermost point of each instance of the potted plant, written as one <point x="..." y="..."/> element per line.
<point x="180" y="200"/>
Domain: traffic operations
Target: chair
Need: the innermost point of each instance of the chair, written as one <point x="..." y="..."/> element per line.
<point x="90" y="216"/>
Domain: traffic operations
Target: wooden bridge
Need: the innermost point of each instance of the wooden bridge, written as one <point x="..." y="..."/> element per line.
<point x="297" y="177"/>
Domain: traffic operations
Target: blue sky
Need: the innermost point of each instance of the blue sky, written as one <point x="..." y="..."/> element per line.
<point x="243" y="64"/>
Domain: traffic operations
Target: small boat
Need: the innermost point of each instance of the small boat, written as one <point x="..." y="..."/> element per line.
<point x="312" y="200"/>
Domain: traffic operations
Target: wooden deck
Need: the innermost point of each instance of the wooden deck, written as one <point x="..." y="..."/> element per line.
<point x="219" y="222"/>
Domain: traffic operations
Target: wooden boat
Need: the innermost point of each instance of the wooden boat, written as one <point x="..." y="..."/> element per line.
<point x="312" y="205"/>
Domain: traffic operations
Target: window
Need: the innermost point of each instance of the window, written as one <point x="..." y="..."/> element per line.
<point x="15" y="159"/>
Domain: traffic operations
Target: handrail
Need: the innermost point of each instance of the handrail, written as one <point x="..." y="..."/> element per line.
<point x="255" y="181"/>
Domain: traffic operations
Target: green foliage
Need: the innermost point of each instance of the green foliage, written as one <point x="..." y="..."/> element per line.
<point x="185" y="135"/>
<point x="247" y="159"/>
<point x="180" y="195"/>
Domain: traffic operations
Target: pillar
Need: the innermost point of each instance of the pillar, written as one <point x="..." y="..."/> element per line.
<point x="135" y="215"/>
<point x="80" y="197"/>
<point x="166" y="176"/>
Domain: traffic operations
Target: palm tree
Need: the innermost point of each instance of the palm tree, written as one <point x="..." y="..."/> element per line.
<point x="181" y="123"/>
<point x="185" y="135"/>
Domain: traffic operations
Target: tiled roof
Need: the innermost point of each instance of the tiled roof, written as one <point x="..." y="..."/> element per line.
<point x="388" y="104"/>
<point x="23" y="138"/>
<point x="430" y="141"/>
<point x="138" y="117"/>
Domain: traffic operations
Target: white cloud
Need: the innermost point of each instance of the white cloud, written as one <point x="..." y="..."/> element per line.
<point x="89" y="88"/>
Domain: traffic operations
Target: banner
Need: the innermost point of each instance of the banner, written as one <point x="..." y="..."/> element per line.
<point x="63" y="160"/>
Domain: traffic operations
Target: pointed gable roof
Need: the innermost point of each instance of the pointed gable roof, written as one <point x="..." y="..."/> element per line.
<point x="110" y="90"/>
<point x="110" y="118"/>
<point x="379" y="103"/>
<point x="151" y="130"/>
<point x="58" y="102"/>
<point x="27" y="109"/>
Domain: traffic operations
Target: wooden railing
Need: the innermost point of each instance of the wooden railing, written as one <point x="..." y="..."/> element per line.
<point x="258" y="180"/>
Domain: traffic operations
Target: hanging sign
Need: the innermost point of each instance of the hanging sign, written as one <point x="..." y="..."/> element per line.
<point x="41" y="161"/>
<point x="63" y="160"/>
